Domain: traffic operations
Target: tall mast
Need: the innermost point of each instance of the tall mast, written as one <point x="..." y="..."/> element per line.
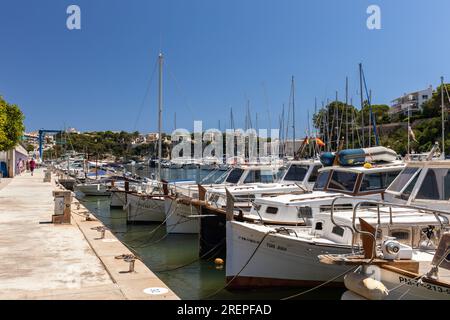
<point x="315" y="127"/>
<point x="370" y="119"/>
<point x="362" y="103"/>
<point x="353" y="124"/>
<point x="346" y="112"/>
<point x="443" y="118"/>
<point x="160" y="106"/>
<point x="336" y="115"/>
<point x="293" y="117"/>
<point x="175" y="121"/>
<point x="409" y="128"/>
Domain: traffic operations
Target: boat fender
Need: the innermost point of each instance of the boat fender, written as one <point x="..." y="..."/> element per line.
<point x="327" y="158"/>
<point x="365" y="286"/>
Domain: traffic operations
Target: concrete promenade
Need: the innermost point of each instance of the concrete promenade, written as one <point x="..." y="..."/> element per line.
<point x="40" y="260"/>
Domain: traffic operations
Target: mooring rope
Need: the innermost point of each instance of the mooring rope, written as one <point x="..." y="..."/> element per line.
<point x="197" y="259"/>
<point x="242" y="269"/>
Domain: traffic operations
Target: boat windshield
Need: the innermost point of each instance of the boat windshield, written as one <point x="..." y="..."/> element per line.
<point x="260" y="176"/>
<point x="403" y="179"/>
<point x="296" y="172"/>
<point x="378" y="181"/>
<point x="343" y="181"/>
<point x="235" y="175"/>
<point x="321" y="181"/>
<point x="314" y="174"/>
<point x="436" y="185"/>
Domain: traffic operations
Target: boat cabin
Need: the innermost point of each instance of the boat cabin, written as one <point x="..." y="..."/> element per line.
<point x="418" y="230"/>
<point x="298" y="177"/>
<point x="425" y="184"/>
<point x="353" y="182"/>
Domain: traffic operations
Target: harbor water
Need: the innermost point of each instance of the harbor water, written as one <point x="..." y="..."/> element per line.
<point x="174" y="257"/>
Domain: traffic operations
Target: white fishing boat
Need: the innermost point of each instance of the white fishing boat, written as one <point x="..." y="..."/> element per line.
<point x="246" y="183"/>
<point x="368" y="182"/>
<point x="422" y="184"/>
<point x="92" y="189"/>
<point x="264" y="255"/>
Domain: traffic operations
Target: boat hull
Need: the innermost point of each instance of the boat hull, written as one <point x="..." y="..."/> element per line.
<point x="93" y="189"/>
<point x="178" y="220"/>
<point x="279" y="261"/>
<point x="407" y="287"/>
<point x="118" y="199"/>
<point x="145" y="209"/>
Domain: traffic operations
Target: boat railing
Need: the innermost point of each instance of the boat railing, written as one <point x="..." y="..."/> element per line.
<point x="438" y="214"/>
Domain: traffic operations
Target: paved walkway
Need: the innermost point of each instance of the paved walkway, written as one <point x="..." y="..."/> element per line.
<point x="40" y="260"/>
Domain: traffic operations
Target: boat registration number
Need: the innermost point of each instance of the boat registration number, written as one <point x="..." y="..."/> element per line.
<point x="428" y="286"/>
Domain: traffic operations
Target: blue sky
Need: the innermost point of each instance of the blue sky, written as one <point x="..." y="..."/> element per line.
<point x="218" y="54"/>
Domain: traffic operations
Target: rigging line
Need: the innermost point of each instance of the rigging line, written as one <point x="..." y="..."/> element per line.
<point x="149" y="83"/>
<point x="180" y="92"/>
<point x="374" y="122"/>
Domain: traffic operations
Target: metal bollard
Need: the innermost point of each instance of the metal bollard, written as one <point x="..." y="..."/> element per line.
<point x="102" y="231"/>
<point x="131" y="261"/>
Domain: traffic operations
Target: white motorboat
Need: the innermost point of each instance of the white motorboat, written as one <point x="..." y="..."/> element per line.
<point x="263" y="255"/>
<point x="253" y="179"/>
<point x="367" y="182"/>
<point x="93" y="189"/>
<point x="422" y="184"/>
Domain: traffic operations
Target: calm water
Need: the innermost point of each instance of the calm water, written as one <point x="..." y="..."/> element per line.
<point x="174" y="258"/>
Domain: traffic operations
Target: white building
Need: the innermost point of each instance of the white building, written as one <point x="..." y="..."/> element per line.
<point x="9" y="161"/>
<point x="412" y="101"/>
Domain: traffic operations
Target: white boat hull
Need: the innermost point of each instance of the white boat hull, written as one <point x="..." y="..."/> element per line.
<point x="142" y="208"/>
<point x="178" y="220"/>
<point x="408" y="288"/>
<point x="280" y="261"/>
<point x="118" y="199"/>
<point x="93" y="189"/>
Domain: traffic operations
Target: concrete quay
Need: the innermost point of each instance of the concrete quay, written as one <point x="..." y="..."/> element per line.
<point x="41" y="260"/>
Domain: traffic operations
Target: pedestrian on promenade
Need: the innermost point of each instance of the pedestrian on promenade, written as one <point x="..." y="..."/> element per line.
<point x="32" y="166"/>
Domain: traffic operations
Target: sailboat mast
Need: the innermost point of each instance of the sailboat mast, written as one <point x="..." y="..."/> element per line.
<point x="409" y="128"/>
<point x="346" y="112"/>
<point x="293" y="117"/>
<point x="160" y="106"/>
<point x="443" y="118"/>
<point x="362" y="103"/>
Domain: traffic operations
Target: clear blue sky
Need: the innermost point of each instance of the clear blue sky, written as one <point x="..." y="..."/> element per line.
<point x="218" y="54"/>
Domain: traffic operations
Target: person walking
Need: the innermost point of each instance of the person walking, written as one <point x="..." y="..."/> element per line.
<point x="32" y="165"/>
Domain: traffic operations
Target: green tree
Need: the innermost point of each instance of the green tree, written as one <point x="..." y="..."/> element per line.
<point x="11" y="125"/>
<point x="432" y="108"/>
